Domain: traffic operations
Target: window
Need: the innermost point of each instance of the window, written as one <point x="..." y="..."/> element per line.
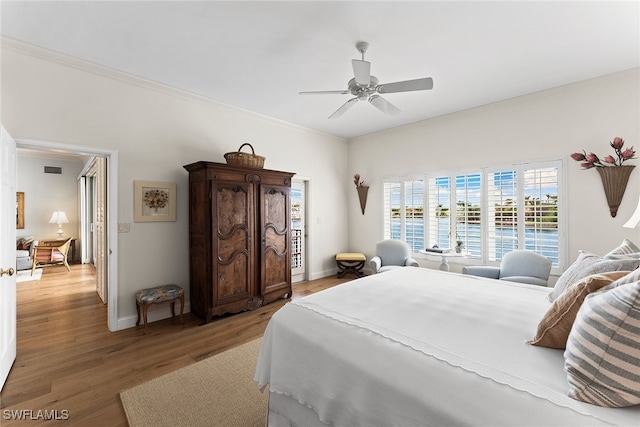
<point x="468" y="230"/>
<point x="404" y="211"/>
<point x="490" y="211"/>
<point x="523" y="211"/>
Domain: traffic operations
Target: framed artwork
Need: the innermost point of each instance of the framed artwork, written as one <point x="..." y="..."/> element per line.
<point x="154" y="201"/>
<point x="20" y="209"/>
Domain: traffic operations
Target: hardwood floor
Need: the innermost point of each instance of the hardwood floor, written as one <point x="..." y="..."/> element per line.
<point x="69" y="362"/>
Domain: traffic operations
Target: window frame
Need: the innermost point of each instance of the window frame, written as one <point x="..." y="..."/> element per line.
<point x="520" y="168"/>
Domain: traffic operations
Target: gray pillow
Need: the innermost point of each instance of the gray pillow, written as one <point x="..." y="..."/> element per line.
<point x="602" y="359"/>
<point x="627" y="247"/>
<point x="586" y="265"/>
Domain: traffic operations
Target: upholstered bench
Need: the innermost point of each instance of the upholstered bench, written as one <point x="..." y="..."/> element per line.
<point x="350" y="262"/>
<point x="159" y="295"/>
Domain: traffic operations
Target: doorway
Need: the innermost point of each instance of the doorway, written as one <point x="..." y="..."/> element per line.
<point x="106" y="271"/>
<point x="298" y="230"/>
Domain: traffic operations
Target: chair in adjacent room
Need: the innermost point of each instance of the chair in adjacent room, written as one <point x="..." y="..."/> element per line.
<point x="51" y="254"/>
<point x="24" y="253"/>
<point x="392" y="254"/>
<point x="521" y="266"/>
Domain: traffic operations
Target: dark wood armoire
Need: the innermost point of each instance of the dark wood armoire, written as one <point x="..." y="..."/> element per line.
<point x="239" y="237"/>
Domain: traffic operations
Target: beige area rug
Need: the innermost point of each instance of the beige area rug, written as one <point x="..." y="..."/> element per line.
<point x="25" y="275"/>
<point x="217" y="391"/>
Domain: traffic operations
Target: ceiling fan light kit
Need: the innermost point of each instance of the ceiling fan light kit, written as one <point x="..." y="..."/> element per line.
<point x="365" y="87"/>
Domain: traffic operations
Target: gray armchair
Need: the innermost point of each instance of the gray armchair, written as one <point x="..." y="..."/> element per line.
<point x="24" y="253"/>
<point x="516" y="266"/>
<point x="391" y="254"/>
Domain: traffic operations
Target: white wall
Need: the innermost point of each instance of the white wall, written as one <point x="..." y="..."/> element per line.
<point x="156" y="131"/>
<point x="45" y="193"/>
<point x="549" y="124"/>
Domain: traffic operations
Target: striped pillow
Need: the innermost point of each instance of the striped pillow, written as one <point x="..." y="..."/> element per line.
<point x="602" y="359"/>
<point x="627" y="247"/>
<point x="633" y="276"/>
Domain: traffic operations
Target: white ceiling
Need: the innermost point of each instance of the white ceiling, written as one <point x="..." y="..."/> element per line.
<point x="258" y="55"/>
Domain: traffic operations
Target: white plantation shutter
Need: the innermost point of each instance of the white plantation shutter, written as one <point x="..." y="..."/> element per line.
<point x="522" y="211"/>
<point x="468" y="195"/>
<point x="404" y="211"/>
<point x="492" y="211"/>
<point x="392" y="214"/>
<point x="541" y="211"/>
<point x="439" y="212"/>
<point x="502" y="213"/>
<point x="414" y="213"/>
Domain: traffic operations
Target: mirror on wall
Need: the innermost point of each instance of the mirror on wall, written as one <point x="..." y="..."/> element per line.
<point x="20" y="209"/>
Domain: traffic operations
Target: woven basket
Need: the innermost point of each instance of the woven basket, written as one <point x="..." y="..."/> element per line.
<point x="249" y="160"/>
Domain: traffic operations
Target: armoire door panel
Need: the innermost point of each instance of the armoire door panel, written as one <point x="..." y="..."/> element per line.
<point x="232" y="279"/>
<point x="276" y="265"/>
<point x="274" y="207"/>
<point x="232" y="204"/>
<point x="232" y="249"/>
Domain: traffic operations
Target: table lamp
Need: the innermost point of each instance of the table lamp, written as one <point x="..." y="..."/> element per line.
<point x="59" y="217"/>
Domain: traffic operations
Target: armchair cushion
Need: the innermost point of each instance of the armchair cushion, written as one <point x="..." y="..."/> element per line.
<point x="392" y="254"/>
<point x="523" y="263"/>
<point x="520" y="266"/>
<point x="24" y="252"/>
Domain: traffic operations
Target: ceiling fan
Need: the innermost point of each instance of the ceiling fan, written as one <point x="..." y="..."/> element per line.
<point x="366" y="87"/>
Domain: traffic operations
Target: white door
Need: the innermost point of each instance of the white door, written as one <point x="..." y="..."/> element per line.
<point x="298" y="231"/>
<point x="7" y="255"/>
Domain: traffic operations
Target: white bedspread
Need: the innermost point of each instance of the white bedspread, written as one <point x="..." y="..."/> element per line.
<point x="416" y="346"/>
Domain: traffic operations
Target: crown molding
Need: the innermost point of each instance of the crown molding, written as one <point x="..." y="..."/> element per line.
<point x="69" y="61"/>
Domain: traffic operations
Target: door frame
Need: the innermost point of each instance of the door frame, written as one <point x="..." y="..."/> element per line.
<point x="111" y="249"/>
<point x="305" y="233"/>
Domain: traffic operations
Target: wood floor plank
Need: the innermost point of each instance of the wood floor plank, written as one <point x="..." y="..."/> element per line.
<point x="68" y="360"/>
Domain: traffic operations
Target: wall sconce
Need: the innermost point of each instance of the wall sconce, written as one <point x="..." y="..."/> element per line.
<point x="362" y="191"/>
<point x="362" y="195"/>
<point x="59" y="217"/>
<point x="614" y="181"/>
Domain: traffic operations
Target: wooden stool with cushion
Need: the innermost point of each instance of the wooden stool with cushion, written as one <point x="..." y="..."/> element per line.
<point x="350" y="262"/>
<point x="159" y="295"/>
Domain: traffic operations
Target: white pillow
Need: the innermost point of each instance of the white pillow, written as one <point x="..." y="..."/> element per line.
<point x="586" y="265"/>
<point x="602" y="359"/>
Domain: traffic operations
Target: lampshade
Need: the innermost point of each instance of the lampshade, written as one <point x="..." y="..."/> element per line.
<point x="634" y="221"/>
<point x="59" y="217"/>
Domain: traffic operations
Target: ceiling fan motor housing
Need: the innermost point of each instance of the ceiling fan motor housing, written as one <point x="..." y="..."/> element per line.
<point x="363" y="92"/>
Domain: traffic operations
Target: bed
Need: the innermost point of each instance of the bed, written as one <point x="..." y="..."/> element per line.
<point x="414" y="347"/>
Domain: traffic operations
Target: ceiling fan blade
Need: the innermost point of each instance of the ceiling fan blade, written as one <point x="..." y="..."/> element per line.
<point x="324" y="92"/>
<point x="362" y="72"/>
<point x="406" y="86"/>
<point x="340" y="111"/>
<point x="383" y="105"/>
